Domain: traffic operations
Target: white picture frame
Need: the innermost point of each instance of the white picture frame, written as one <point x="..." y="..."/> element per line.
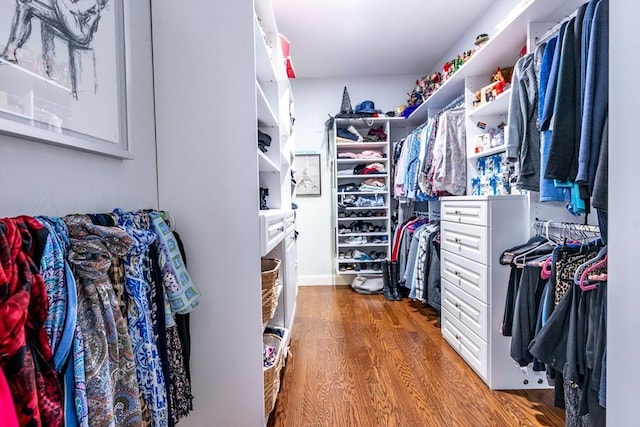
<point x="307" y="175"/>
<point x="63" y="74"/>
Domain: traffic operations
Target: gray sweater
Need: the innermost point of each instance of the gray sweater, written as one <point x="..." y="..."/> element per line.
<point x="523" y="137"/>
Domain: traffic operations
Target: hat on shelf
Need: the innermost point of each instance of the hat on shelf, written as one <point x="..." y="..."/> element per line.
<point x="345" y="107"/>
<point x="366" y="107"/>
<point x="481" y="39"/>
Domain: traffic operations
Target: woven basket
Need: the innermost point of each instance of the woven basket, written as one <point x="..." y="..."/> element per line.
<point x="270" y="273"/>
<point x="271" y="375"/>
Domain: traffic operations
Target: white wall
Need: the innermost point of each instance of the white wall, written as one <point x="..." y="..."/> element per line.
<point x="314" y="100"/>
<point x="37" y="178"/>
<point x="623" y="315"/>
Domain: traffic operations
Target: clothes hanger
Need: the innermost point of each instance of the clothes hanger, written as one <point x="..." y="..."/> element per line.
<point x="520" y="260"/>
<point x="545" y="273"/>
<point x="585" y="274"/>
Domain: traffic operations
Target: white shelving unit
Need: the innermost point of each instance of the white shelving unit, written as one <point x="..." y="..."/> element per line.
<point x="216" y="193"/>
<point x="504" y="45"/>
<point x="372" y="221"/>
<point x="473" y="283"/>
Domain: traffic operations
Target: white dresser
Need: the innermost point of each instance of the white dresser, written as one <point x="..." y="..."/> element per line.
<point x="475" y="230"/>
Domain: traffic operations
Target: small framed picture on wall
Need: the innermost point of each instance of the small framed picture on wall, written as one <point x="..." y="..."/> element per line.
<point x="307" y="174"/>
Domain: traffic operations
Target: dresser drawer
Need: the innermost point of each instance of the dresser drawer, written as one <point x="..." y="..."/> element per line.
<point x="290" y="222"/>
<point x="472" y="349"/>
<point x="465" y="274"/>
<point x="471" y="312"/>
<point x="465" y="212"/>
<point x="271" y="230"/>
<point x="468" y="241"/>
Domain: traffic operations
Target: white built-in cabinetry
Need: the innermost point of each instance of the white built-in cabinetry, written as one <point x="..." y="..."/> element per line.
<point x="474" y="232"/>
<point x="219" y="78"/>
<point x="530" y="18"/>
<point x="476" y="229"/>
<point x="361" y="228"/>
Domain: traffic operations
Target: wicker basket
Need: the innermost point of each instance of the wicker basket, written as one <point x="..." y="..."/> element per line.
<point x="270" y="273"/>
<point x="271" y="375"/>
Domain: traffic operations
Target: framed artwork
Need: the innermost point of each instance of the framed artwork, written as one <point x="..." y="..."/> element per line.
<point x="307" y="174"/>
<point x="63" y="73"/>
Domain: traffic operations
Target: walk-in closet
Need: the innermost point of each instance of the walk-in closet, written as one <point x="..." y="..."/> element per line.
<point x="291" y="213"/>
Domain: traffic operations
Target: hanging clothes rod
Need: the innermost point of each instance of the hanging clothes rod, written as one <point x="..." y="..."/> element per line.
<point x="553" y="30"/>
<point x="458" y="101"/>
<point x="544" y="227"/>
<point x="453" y="104"/>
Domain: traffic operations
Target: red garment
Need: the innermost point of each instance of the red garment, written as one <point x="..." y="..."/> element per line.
<point x="26" y="359"/>
<point x="8" y="417"/>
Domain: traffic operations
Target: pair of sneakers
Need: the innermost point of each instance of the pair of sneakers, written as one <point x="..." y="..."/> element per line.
<point x="356" y="240"/>
<point x="361" y="256"/>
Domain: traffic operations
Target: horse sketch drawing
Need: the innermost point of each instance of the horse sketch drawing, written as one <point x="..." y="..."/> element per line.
<point x="75" y="22"/>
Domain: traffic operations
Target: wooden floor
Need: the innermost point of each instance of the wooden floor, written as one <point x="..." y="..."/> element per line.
<point x="359" y="360"/>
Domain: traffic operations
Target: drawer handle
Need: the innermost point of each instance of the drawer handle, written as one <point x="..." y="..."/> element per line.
<point x="458" y="337"/>
<point x="457" y="240"/>
<point x="457" y="212"/>
<point x="457" y="305"/>
<point x="281" y="228"/>
<point x="457" y="273"/>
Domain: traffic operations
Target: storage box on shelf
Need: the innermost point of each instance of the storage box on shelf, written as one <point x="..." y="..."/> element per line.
<point x="474" y="284"/>
<point x="361" y="195"/>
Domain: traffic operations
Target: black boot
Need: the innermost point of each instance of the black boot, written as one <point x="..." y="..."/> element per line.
<point x="394" y="281"/>
<point x="386" y="287"/>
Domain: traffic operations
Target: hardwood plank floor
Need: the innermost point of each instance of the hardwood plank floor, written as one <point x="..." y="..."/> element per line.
<point x="360" y="360"/>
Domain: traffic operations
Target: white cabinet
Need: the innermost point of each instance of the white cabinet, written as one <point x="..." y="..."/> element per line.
<point x="474" y="284"/>
<point x="361" y="196"/>
<point x="209" y="108"/>
<point x="272" y="230"/>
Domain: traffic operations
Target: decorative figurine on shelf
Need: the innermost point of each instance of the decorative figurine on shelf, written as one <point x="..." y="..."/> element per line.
<point x="415" y="97"/>
<point x="448" y="69"/>
<point x="264" y="193"/>
<point x="467" y="54"/>
<point x="428" y="84"/>
<point x="502" y="79"/>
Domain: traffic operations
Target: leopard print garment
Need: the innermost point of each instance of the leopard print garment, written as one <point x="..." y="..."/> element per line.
<point x="566" y="267"/>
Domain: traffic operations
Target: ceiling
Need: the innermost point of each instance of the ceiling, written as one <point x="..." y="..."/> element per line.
<point x="349" y="38"/>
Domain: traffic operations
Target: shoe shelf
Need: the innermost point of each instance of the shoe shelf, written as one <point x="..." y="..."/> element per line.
<point x="361" y="245"/>
<point x="370" y="218"/>
<point x="347" y="239"/>
<point x="354" y="271"/>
